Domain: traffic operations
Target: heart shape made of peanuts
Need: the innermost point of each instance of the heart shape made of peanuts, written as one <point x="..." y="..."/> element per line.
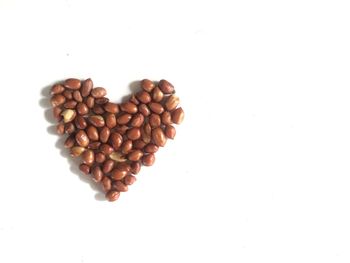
<point x="115" y="140"/>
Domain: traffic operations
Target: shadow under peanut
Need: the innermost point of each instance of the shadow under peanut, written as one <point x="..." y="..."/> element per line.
<point x="133" y="87"/>
<point x="51" y="129"/>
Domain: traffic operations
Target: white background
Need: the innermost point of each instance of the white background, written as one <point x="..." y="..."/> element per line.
<point x="259" y="170"/>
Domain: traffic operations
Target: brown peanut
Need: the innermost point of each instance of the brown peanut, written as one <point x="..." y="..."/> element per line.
<point x="129" y="179"/>
<point x="71" y="104"/>
<point x="178" y="115"/>
<point x="172" y="102"/>
<point x="111" y="120"/>
<point x="101" y="101"/>
<point x="80" y="122"/>
<point x="137" y="120"/>
<point x="56" y="111"/>
<point x="104" y="134"/>
<point x="82" y="108"/>
<point x="106" y="184"/>
<point x="98" y="109"/>
<point x="108" y="166"/>
<point x="124" y="166"/>
<point x="144" y="110"/>
<point x="143" y="97"/>
<point x="57" y="100"/>
<point x="97" y="174"/>
<point x="151" y="148"/>
<point x="135" y="167"/>
<point x="68" y="94"/>
<point x="134" y="100"/>
<point x="111" y="107"/>
<point x="148" y="160"/>
<point x="98" y="92"/>
<point x="156" y="107"/>
<point x="116" y="140"/>
<point x="124" y="118"/>
<point x="112" y="195"/>
<point x="157" y="94"/>
<point x="92" y="133"/>
<point x="106" y="149"/>
<point x="139" y="144"/>
<point x="127" y="146"/>
<point x="69" y="142"/>
<point x="100" y="157"/>
<point x="94" y="145"/>
<point x="77" y="96"/>
<point x="119" y="186"/>
<point x="60" y="129"/>
<point x="72" y="83"/>
<point x="117" y="174"/>
<point x="158" y="137"/>
<point x="86" y="87"/>
<point x="133" y="133"/>
<point x="128" y="107"/>
<point x="97" y="120"/>
<point x="82" y="138"/>
<point x="135" y="155"/>
<point x="154" y="120"/>
<point x="147" y="85"/>
<point x="90" y="102"/>
<point x="84" y="168"/>
<point x="166" y="118"/>
<point x="146" y="132"/>
<point x="165" y="86"/>
<point x="69" y="128"/>
<point x="121" y="129"/>
<point x="56" y="89"/>
<point x="170" y="131"/>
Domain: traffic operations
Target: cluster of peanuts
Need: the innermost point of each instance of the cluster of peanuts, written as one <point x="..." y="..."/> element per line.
<point x="115" y="140"/>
